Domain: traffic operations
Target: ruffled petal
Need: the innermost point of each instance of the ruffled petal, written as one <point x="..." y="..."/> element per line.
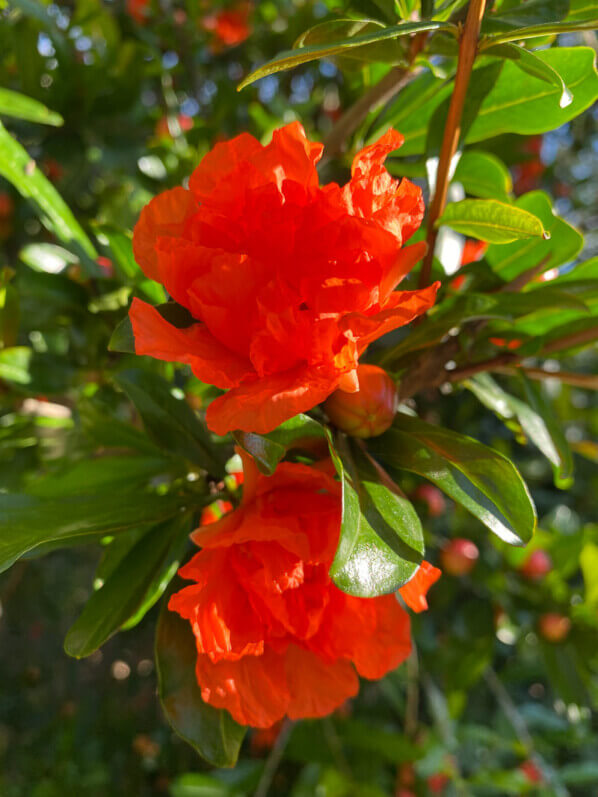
<point x="414" y="591"/>
<point x="253" y="690"/>
<point x="374" y="633"/>
<point x="400" y="308"/>
<point x="222" y="619"/>
<point x="316" y="686"/>
<point x="165" y="216"/>
<point x="262" y="405"/>
<point x="371" y="158"/>
<point x="291" y="156"/>
<point x="219" y="165"/>
<point x="210" y="361"/>
<point x="406" y="259"/>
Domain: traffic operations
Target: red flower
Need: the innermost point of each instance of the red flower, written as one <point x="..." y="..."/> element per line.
<point x="274" y="635"/>
<point x="229" y="28"/>
<point x="289" y="281"/>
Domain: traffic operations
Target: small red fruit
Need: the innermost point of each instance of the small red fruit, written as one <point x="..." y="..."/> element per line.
<point x="531" y="772"/>
<point x="458" y="557"/>
<point x="370" y="410"/>
<point x="536" y="566"/>
<point x="436" y="783"/>
<point x="432" y="497"/>
<point x="554" y="627"/>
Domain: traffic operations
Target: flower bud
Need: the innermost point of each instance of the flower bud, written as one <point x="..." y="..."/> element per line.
<point x="554" y="627"/>
<point x="370" y="410"/>
<point x="458" y="557"/>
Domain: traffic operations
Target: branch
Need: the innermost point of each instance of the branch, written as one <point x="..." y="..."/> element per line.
<point x="374" y="98"/>
<point x="589" y="381"/>
<point x="467" y="52"/>
<point x="273" y="760"/>
<point x="574" y="339"/>
<point x="485" y="365"/>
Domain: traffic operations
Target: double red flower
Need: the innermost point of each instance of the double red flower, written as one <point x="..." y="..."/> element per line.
<point x="288" y="281"/>
<point x="274" y="635"/>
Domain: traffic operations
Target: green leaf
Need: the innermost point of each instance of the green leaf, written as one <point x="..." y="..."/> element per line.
<point x="334" y="30"/>
<point x="518" y="15"/>
<point x="13" y="103"/>
<point x="127" y="472"/>
<point x="36" y="521"/>
<point x="168" y="420"/>
<point x="530" y="63"/>
<point x="121" y="247"/>
<point x="381" y="542"/>
<point x="491" y="220"/>
<point x="20" y="169"/>
<point x="564" y="244"/>
<point x="15" y="364"/>
<point x="292" y="58"/>
<point x="123" y="339"/>
<point x="107" y="430"/>
<point x="501" y="99"/>
<point x="47" y="257"/>
<point x="538" y="31"/>
<point x="483" y="481"/>
<point x="588" y="561"/>
<point x="211" y="732"/>
<point x="192" y="784"/>
<point x="122" y="594"/>
<point x="535" y="416"/>
<point x="483" y="175"/>
<point x="268" y="450"/>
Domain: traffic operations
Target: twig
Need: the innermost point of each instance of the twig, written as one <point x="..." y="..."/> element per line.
<point x="574" y="339"/>
<point x="377" y="96"/>
<point x="503" y="698"/>
<point x="485" y="365"/>
<point x="273" y="760"/>
<point x="589" y="381"/>
<point x="468" y="46"/>
<point x="412" y="705"/>
<point x="526" y="276"/>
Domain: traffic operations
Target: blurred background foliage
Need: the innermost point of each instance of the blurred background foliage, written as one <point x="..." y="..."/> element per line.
<point x="502" y="695"/>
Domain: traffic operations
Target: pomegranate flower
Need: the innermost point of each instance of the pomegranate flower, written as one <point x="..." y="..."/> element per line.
<point x="288" y="281"/>
<point x="274" y="636"/>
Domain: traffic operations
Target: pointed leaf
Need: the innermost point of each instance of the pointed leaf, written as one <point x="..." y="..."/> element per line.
<point x="12" y="103"/>
<point x="483" y="481"/>
<point x="490" y="220"/>
<point x="534" y="66"/>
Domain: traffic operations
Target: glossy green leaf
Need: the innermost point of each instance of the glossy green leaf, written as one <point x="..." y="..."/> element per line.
<point x="483" y="175"/>
<point x="267" y="450"/>
<point x="539" y="31"/>
<point x="530" y="63"/>
<point x="519" y="15"/>
<point x="47" y="257"/>
<point x="381" y="541"/>
<point x="20" y="169"/>
<point x="535" y="416"/>
<point x="211" y="732"/>
<point x="121" y="247"/>
<point x="36" y="521"/>
<point x="501" y="99"/>
<point x="564" y="244"/>
<point x="169" y="420"/>
<point x="335" y="30"/>
<point x="122" y="594"/>
<point x="292" y="58"/>
<point x="12" y="103"/>
<point x="491" y="220"/>
<point x="483" y="481"/>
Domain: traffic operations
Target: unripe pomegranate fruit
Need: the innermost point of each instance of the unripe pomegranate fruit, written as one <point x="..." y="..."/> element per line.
<point x="432" y="497"/>
<point x="458" y="557"/>
<point x="554" y="627"/>
<point x="536" y="566"/>
<point x="370" y="410"/>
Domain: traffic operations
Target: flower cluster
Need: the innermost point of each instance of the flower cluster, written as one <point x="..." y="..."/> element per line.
<point x="274" y="635"/>
<point x="287" y="283"/>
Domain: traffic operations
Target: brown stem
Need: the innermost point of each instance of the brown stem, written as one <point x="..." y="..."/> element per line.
<point x="468" y="46"/>
<point x="526" y="276"/>
<point x="574" y="339"/>
<point x="485" y="365"/>
<point x="375" y="97"/>
<point x="588" y="381"/>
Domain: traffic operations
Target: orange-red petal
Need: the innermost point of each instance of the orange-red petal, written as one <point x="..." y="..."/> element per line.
<point x="414" y="591"/>
<point x="317" y="687"/>
<point x="210" y="361"/>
